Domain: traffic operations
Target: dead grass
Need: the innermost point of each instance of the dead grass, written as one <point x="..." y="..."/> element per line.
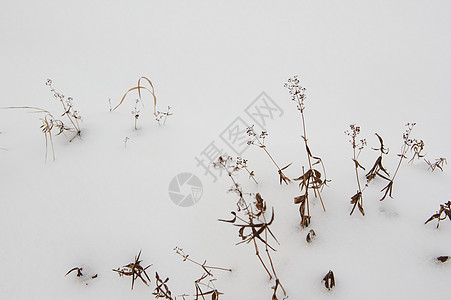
<point x="134" y="270"/>
<point x="144" y="84"/>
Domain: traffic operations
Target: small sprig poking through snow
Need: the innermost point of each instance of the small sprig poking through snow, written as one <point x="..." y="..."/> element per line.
<point x="259" y="141"/>
<point x="161" y="288"/>
<point x="357" y="147"/>
<point x="377" y="167"/>
<point x="69" y="111"/>
<point x="443" y="213"/>
<point x="417" y="149"/>
<point x="135" y="270"/>
<point x="329" y="280"/>
<point x="241" y="163"/>
<point x="311" y="235"/>
<point x="205" y="284"/>
<point x="82" y="276"/>
<point x="78" y="269"/>
<point x="227" y="164"/>
<point x="135" y="113"/>
<point x="408" y="142"/>
<point x="159" y="115"/>
<point x="439" y="163"/>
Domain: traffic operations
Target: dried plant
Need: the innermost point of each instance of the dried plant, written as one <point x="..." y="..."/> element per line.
<point x="159" y="115"/>
<point x="311" y="235"/>
<point x="377" y="167"/>
<point x="253" y="226"/>
<point x="241" y="163"/>
<point x="230" y="166"/>
<point x="79" y="273"/>
<point x="408" y="142"/>
<point x="417" y="147"/>
<point x="69" y="110"/>
<point x="443" y="259"/>
<point x="205" y="284"/>
<point x="312" y="178"/>
<point x="329" y="280"/>
<point x="444" y="211"/>
<point x="161" y="289"/>
<point x="226" y="163"/>
<point x="49" y="126"/>
<point x="439" y="163"/>
<point x="259" y="141"/>
<point x="357" y="147"/>
<point x="135" y="113"/>
<point x="135" y="270"/>
<point x="254" y="230"/>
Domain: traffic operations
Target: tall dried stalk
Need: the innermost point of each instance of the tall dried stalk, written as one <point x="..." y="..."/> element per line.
<point x="357" y="147"/>
<point x="254" y="227"/>
<point x="312" y="178"/>
<point x="407" y="144"/>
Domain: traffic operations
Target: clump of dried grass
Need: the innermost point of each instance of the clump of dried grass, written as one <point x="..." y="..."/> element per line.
<point x="144" y="84"/>
<point x="443" y="213"/>
<point x="51" y="125"/>
<point x="134" y="270"/>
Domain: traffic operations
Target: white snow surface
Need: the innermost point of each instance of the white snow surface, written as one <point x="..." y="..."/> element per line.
<point x="379" y="64"/>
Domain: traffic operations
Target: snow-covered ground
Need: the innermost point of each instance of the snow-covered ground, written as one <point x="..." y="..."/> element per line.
<point x="379" y="64"/>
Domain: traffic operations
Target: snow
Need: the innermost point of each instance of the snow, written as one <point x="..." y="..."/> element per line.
<point x="377" y="64"/>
